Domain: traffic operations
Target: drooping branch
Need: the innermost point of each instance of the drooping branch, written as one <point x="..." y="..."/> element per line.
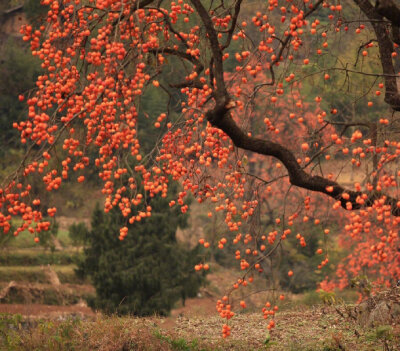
<point x="220" y="117"/>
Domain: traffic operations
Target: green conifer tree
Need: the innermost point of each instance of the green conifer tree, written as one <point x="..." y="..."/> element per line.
<point x="148" y="271"/>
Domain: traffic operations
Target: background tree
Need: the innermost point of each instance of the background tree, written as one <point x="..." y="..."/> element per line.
<point x="147" y="272"/>
<point x="35" y="11"/>
<point x="19" y="71"/>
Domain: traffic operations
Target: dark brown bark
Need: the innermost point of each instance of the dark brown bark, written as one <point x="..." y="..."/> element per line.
<point x="386" y="48"/>
<point x="389" y="9"/>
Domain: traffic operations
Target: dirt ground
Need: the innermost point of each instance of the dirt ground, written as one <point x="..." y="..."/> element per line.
<point x="197" y="323"/>
<point x="199" y="307"/>
<point x="46" y="311"/>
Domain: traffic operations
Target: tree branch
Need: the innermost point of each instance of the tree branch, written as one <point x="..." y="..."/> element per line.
<point x="221" y="93"/>
<point x="220" y="117"/>
<point x="233" y="25"/>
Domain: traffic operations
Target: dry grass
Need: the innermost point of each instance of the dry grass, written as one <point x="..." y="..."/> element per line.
<point x="302" y="329"/>
<point x="108" y="334"/>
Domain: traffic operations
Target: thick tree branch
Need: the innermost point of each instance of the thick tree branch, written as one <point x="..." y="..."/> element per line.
<point x="220" y="117"/>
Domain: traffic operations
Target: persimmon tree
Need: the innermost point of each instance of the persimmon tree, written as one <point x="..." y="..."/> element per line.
<point x="257" y="99"/>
